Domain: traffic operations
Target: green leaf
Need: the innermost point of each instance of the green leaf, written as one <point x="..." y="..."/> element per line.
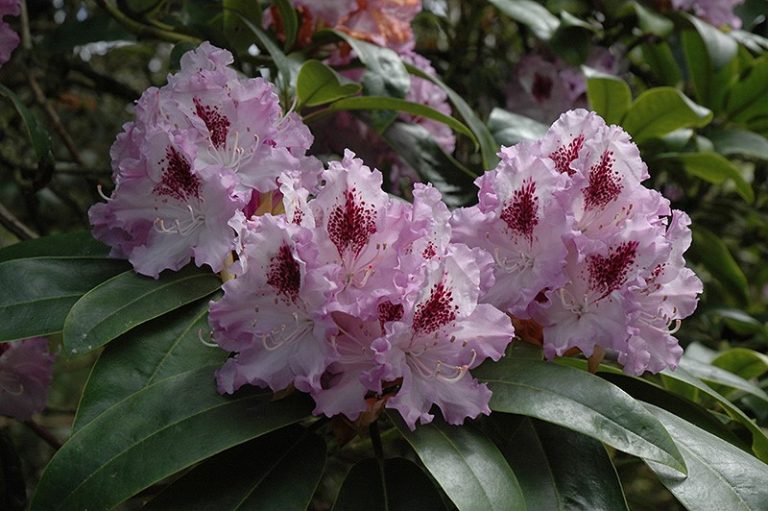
<point x="466" y="464"/>
<point x="746" y="100"/>
<point x="743" y="362"/>
<point x="290" y="22"/>
<point x="711" y="83"/>
<point x="38" y="136"/>
<point x="532" y="14"/>
<point x="39" y="291"/>
<point x="400" y="105"/>
<point x="709" y="249"/>
<point x="661" y="110"/>
<point x="285" y="66"/>
<point x="318" y="84"/>
<point x="277" y="472"/>
<point x="417" y="147"/>
<point x="579" y="401"/>
<point x="661" y="62"/>
<point x="544" y="458"/>
<point x="509" y="128"/>
<point x="154" y="433"/>
<point x="74" y="244"/>
<point x="720" y="378"/>
<point x="488" y="146"/>
<point x="720" y="476"/>
<point x="161" y="348"/>
<point x="394" y="485"/>
<point x="714" y="169"/>
<point x="652" y="23"/>
<point x="681" y="381"/>
<point x="720" y="47"/>
<point x="128" y="300"/>
<point x="735" y="141"/>
<point x="608" y="95"/>
<point x="236" y="32"/>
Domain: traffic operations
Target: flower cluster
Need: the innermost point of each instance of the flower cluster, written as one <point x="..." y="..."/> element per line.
<point x="360" y="299"/>
<point x="581" y="247"/>
<point x="717" y="12"/>
<point x="9" y="39"/>
<point x="26" y="369"/>
<point x="204" y="147"/>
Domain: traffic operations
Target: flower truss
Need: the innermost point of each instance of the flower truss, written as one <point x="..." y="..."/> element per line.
<point x="366" y="301"/>
<point x="9" y="39"/>
<point x="26" y="369"/>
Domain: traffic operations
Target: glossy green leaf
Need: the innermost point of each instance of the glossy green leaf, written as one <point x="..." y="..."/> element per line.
<point x="608" y="95"/>
<point x="743" y="362"/>
<point x="681" y="380"/>
<point x="275" y="472"/>
<point x="289" y="22"/>
<point x="661" y="110"/>
<point x="734" y="141"/>
<point x="544" y="457"/>
<point x="714" y="169"/>
<point x="161" y="348"/>
<point x="394" y="485"/>
<point x="720" y="47"/>
<point x="236" y="32"/>
<point x="708" y="249"/>
<point x="466" y="464"/>
<point x="509" y="128"/>
<point x="38" y="292"/>
<point x="156" y="432"/>
<point x="746" y="100"/>
<point x="579" y="401"/>
<point x="285" y="66"/>
<point x="720" y="476"/>
<point x="661" y="62"/>
<point x="318" y="84"/>
<point x="74" y="244"/>
<point x="710" y="82"/>
<point x="651" y="22"/>
<point x="488" y="146"/>
<point x="38" y="136"/>
<point x="417" y="147"/>
<point x="532" y="14"/>
<point x="128" y="300"/>
<point x="721" y="378"/>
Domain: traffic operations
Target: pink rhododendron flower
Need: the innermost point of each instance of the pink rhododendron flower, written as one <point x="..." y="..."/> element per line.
<point x="9" y="39"/>
<point x="352" y="293"/>
<point x="202" y="148"/>
<point x="26" y="369"/>
<point x="716" y="12"/>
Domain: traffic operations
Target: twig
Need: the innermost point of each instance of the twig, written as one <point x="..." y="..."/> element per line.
<point x="14" y="225"/>
<point x="43" y="433"/>
<point x="54" y="118"/>
<point x="26" y="34"/>
<point x="143" y="30"/>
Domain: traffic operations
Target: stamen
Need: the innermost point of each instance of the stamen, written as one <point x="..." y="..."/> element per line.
<point x="203" y="341"/>
<point x="101" y="193"/>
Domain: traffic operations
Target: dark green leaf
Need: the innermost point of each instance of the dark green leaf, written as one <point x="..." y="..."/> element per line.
<point x="714" y="169"/>
<point x="128" y="300"/>
<point x="276" y="472"/>
<point x="285" y="66"/>
<point x="720" y="48"/>
<point x="608" y="95"/>
<point x="509" y="128"/>
<point x="747" y="98"/>
<point x="40" y="291"/>
<point x="661" y="110"/>
<point x="709" y="249"/>
<point x="652" y="23"/>
<point x="38" y="136"/>
<point x="720" y="476"/>
<point x="161" y="348"/>
<point x="710" y="82"/>
<point x="237" y="33"/>
<point x="156" y="432"/>
<point x="532" y="14"/>
<point x="398" y="485"/>
<point x="544" y="458"/>
<point x="318" y="84"/>
<point x="289" y="21"/>
<point x="579" y="401"/>
<point x="721" y="378"/>
<point x="488" y="146"/>
<point x="734" y="141"/>
<point x="742" y="361"/>
<point x="466" y="464"/>
<point x="661" y="62"/>
<point x="417" y="147"/>
<point x="74" y="244"/>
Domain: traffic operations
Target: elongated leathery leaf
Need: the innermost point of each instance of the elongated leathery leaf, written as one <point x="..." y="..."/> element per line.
<point x="543" y="457"/>
<point x="467" y="465"/>
<point x="720" y="476"/>
<point x="579" y="401"/>
<point x="128" y="300"/>
<point x="394" y="485"/>
<point x="163" y="347"/>
<point x="155" y="433"/>
<point x="275" y="472"/>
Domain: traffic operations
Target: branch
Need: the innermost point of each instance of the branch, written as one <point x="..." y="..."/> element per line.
<point x="54" y="118"/>
<point x="143" y="30"/>
<point x="14" y="225"/>
<point x="43" y="433"/>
